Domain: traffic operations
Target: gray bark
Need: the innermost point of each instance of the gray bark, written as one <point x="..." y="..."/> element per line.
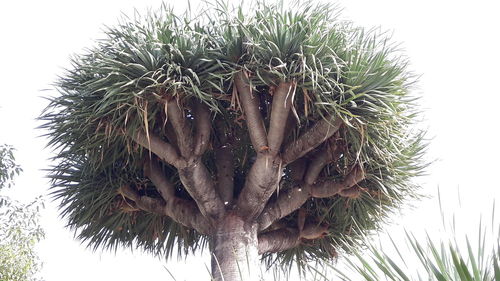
<point x="235" y="255"/>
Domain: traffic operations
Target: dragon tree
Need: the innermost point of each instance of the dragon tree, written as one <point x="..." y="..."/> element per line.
<point x="263" y="134"/>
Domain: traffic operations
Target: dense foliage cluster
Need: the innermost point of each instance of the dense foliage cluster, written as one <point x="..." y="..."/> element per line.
<point x="8" y="167"/>
<point x="20" y="227"/>
<point x="20" y="231"/>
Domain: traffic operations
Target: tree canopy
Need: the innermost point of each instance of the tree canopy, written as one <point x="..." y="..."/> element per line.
<point x="300" y="123"/>
<point x="20" y="227"/>
<point x="8" y="167"/>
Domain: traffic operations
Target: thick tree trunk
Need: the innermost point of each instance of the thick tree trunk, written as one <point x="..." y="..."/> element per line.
<point x="235" y="254"/>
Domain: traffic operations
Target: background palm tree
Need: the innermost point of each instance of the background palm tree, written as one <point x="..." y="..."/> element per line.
<point x="431" y="258"/>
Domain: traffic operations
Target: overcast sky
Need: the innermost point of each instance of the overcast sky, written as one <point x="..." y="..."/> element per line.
<point x="454" y="45"/>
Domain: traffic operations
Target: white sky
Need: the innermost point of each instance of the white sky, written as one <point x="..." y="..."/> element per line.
<point x="455" y="45"/>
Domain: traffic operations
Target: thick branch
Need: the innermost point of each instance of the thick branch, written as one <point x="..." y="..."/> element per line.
<point x="313" y="231"/>
<point x="353" y="192"/>
<point x="200" y="185"/>
<point x="145" y="203"/>
<point x="278" y="240"/>
<point x="224" y="162"/>
<point x="160" y="148"/>
<point x="225" y="172"/>
<point x="182" y="130"/>
<point x="316" y="135"/>
<point x="175" y="207"/>
<point x="187" y="213"/>
<point x="155" y="174"/>
<point x="262" y="180"/>
<point x="169" y="133"/>
<point x="202" y="128"/>
<point x="250" y="105"/>
<point x="292" y="199"/>
<point x="287" y="238"/>
<point x="290" y="125"/>
<point x="330" y="188"/>
<point x="194" y="175"/>
<point x="282" y="102"/>
<point x="265" y="174"/>
<point x="321" y="158"/>
<point x="192" y="172"/>
<point x="298" y="169"/>
<point x="179" y="210"/>
<point x="287" y="202"/>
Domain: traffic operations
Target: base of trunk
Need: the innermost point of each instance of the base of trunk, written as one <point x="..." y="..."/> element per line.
<point x="235" y="254"/>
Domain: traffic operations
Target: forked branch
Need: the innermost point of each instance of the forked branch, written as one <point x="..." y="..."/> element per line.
<point x="192" y="172"/>
<point x="199" y="183"/>
<point x="181" y="211"/>
<point x="262" y="180"/>
<point x="292" y="199"/>
<point x="287" y="202"/>
<point x="266" y="172"/>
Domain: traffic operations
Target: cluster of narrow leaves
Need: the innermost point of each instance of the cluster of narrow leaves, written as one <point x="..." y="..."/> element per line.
<point x="118" y="87"/>
<point x="452" y="259"/>
<point x="8" y="167"/>
<point x="20" y="230"/>
<point x="444" y="261"/>
<point x="20" y="227"/>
